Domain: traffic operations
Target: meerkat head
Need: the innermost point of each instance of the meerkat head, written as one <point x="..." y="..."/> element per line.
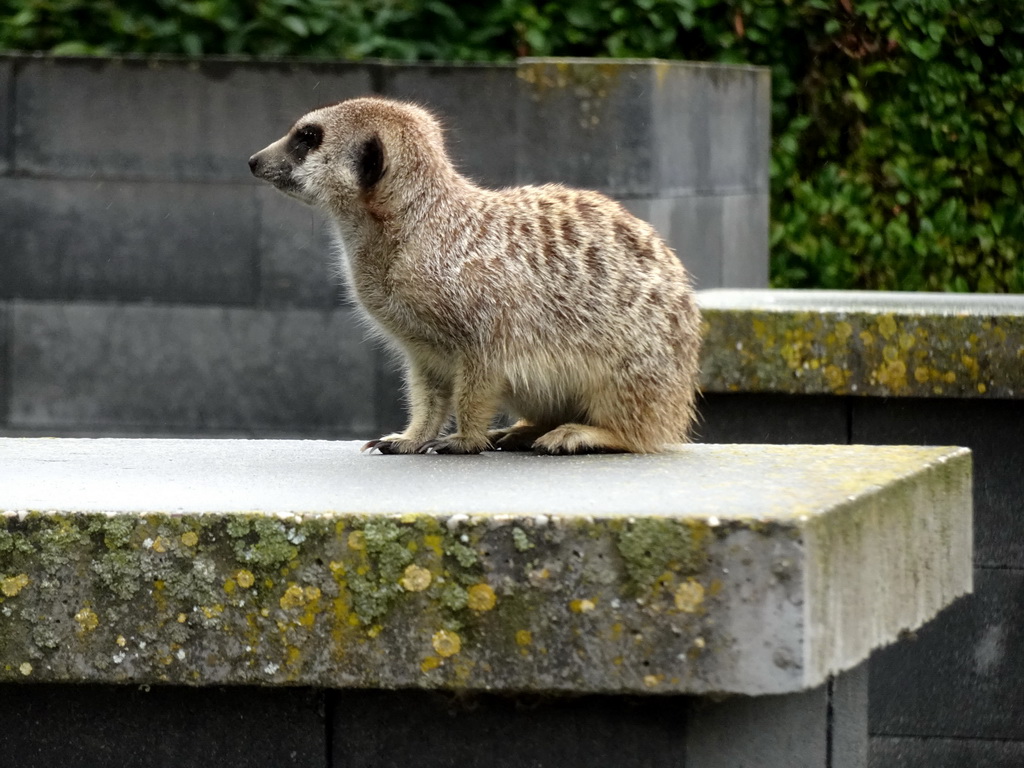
<point x="354" y="152"/>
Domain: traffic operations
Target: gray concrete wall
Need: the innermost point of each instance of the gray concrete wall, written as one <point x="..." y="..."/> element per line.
<point x="126" y="180"/>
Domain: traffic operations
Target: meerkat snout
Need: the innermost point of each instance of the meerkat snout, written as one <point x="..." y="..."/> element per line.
<point x="550" y="304"/>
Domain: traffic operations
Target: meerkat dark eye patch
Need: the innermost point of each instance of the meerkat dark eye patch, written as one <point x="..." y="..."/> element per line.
<point x="370" y="162"/>
<point x="305" y="140"/>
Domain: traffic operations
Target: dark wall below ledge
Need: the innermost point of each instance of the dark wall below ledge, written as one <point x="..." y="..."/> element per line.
<point x="176" y="727"/>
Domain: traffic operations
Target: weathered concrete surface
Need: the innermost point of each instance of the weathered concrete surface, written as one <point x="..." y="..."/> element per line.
<point x="748" y="569"/>
<point x="863" y="343"/>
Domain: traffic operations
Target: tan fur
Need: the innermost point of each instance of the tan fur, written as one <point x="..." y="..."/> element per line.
<point x="548" y="303"/>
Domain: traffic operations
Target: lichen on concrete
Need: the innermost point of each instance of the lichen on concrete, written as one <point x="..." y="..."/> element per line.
<point x="843" y="344"/>
<point x="587" y="80"/>
<point x="246" y="599"/>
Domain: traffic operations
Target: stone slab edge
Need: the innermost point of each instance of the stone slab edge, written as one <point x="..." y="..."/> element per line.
<point x="887" y="562"/>
<point x="894" y="347"/>
<point x="421" y="601"/>
<point x="642" y="604"/>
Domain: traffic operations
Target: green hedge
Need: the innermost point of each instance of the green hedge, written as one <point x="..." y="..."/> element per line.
<point x="898" y="125"/>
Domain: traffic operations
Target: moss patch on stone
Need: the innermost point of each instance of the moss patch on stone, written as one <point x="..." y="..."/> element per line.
<point x="652" y="546"/>
<point x="260" y="541"/>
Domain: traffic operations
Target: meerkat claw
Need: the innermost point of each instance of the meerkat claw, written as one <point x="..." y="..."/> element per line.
<point x="385" y="447"/>
<point x="450" y="445"/>
<point x="389" y="447"/>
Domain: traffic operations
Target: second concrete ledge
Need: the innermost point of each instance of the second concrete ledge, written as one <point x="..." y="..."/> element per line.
<point x="732" y="569"/>
<point x="863" y="343"/>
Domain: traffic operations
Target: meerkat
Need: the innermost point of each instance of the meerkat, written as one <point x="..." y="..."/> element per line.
<point x="549" y="304"/>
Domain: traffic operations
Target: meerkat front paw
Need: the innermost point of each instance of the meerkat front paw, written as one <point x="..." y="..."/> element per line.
<point x="455" y="443"/>
<point x="392" y="444"/>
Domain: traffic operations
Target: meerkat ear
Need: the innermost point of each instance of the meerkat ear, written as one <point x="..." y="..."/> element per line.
<point x="370" y="163"/>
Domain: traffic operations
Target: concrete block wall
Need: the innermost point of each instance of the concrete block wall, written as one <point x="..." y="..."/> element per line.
<point x="149" y="285"/>
<point x="82" y="726"/>
<point x="951" y="694"/>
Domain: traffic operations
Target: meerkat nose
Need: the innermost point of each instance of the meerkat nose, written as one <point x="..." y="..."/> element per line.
<point x="254" y="163"/>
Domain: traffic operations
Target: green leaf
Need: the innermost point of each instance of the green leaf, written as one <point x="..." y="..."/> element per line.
<point x="73" y="48"/>
<point x="926" y="50"/>
<point x="191" y="44"/>
<point x="859" y="100"/>
<point x="296" y="25"/>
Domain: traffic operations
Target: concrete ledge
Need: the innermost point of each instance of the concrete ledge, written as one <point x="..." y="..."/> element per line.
<point x="863" y="343"/>
<point x="747" y="569"/>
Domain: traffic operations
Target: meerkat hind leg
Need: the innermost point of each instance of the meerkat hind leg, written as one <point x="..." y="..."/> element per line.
<point x="580" y="438"/>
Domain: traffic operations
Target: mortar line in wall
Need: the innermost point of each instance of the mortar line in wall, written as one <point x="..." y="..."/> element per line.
<point x="256" y="265"/>
<point x="931" y="736"/>
<point x="98" y="178"/>
<point x="7" y="363"/>
<point x="380" y="360"/>
<point x="12" y="93"/>
<point x="328" y="708"/>
<point x="378" y="79"/>
<point x="679" y="193"/>
<point x="999" y="567"/>
<point x="829" y="721"/>
<point x="143" y="302"/>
